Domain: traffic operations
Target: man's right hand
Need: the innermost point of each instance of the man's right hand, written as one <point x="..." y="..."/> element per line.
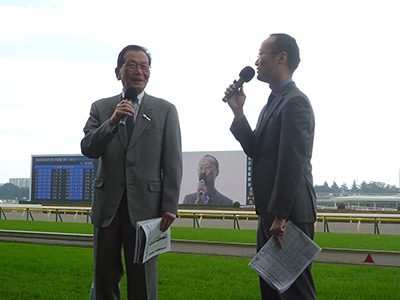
<point x="201" y="190"/>
<point x="124" y="108"/>
<point x="236" y="102"/>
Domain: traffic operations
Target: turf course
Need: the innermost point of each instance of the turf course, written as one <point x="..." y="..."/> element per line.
<point x="54" y="272"/>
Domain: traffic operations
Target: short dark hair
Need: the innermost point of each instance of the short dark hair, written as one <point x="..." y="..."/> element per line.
<point x="285" y="43"/>
<point x="215" y="160"/>
<point x="121" y="58"/>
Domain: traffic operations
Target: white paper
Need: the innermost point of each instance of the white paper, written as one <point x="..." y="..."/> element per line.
<point x="281" y="267"/>
<point x="150" y="240"/>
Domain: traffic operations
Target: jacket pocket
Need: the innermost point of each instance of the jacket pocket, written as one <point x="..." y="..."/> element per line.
<point x="155" y="186"/>
<point x="98" y="183"/>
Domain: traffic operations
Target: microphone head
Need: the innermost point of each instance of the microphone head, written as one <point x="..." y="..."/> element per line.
<point x="247" y="73"/>
<point x="131" y="93"/>
<point x="203" y="177"/>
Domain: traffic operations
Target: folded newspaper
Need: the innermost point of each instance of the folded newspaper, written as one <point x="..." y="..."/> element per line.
<point x="150" y="240"/>
<point x="281" y="267"/>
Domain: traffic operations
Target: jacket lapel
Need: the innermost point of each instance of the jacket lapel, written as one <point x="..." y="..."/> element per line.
<point x="265" y="115"/>
<point x="143" y="120"/>
<point x="274" y="105"/>
<point x="122" y="135"/>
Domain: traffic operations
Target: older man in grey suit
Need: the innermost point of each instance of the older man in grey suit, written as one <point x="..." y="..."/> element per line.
<point x="139" y="176"/>
<point x="281" y="148"/>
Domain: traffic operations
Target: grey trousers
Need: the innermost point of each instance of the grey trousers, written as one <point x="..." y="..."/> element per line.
<point x="108" y="264"/>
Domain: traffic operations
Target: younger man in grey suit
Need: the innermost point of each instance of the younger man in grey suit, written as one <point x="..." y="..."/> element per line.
<point x="139" y="176"/>
<point x="281" y="147"/>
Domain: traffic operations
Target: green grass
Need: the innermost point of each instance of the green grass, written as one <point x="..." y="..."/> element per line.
<point x="55" y="272"/>
<point x="68" y="227"/>
<point x="44" y="272"/>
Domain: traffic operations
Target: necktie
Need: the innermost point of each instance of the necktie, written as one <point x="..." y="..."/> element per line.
<point x="270" y="99"/>
<point x="130" y="122"/>
<point x="129" y="126"/>
<point x="264" y="110"/>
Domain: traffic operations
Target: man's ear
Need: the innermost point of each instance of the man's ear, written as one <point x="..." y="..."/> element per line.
<point x="117" y="73"/>
<point x="283" y="56"/>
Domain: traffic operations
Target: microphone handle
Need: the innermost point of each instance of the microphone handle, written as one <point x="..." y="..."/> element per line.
<point x="238" y="84"/>
<point x="123" y="120"/>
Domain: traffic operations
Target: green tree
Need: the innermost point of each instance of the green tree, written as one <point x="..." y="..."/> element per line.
<point x="335" y="188"/>
<point x="344" y="189"/>
<point x="391" y="189"/>
<point x="376" y="187"/>
<point x="323" y="189"/>
<point x="10" y="191"/>
<point x="341" y="205"/>
<point x="363" y="187"/>
<point x="354" y="188"/>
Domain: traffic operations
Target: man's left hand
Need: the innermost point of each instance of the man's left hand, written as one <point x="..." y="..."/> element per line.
<point x="278" y="229"/>
<point x="167" y="219"/>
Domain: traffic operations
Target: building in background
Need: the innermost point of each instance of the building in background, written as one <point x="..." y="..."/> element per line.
<point x="20" y="182"/>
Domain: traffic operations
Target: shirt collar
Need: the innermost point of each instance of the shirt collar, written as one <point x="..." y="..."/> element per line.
<point x="140" y="97"/>
<point x="280" y="86"/>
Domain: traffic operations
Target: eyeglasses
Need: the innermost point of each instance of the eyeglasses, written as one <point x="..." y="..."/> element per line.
<point x="261" y="54"/>
<point x="205" y="168"/>
<point x="141" y="67"/>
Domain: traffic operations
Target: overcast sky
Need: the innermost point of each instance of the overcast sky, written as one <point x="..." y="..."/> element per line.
<point x="57" y="57"/>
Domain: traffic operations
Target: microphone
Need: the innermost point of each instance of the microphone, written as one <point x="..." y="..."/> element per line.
<point x="204" y="178"/>
<point x="130" y="95"/>
<point x="245" y="75"/>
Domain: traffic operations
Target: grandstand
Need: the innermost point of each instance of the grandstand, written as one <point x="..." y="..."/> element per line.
<point x="361" y="202"/>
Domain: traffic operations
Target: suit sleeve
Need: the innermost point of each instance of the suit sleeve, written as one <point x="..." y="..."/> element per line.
<point x="98" y="134"/>
<point x="295" y="146"/>
<point x="242" y="131"/>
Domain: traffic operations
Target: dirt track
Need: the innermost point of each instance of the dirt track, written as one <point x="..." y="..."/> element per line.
<point x="333" y="226"/>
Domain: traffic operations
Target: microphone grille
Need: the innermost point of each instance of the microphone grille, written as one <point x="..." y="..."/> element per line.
<point x="131" y="93"/>
<point x="247" y="73"/>
<point x="203" y="177"/>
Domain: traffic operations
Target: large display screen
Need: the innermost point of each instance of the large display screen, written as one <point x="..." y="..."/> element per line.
<point x="62" y="178"/>
<point x="70" y="178"/>
<point x="231" y="179"/>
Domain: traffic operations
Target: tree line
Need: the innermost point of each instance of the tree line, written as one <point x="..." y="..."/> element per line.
<point x="373" y="187"/>
<point x="10" y="191"/>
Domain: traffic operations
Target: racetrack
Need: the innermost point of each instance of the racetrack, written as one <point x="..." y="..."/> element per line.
<point x="340" y="227"/>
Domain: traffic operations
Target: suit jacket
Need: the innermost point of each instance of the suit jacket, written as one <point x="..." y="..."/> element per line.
<point x="216" y="199"/>
<point x="281" y="149"/>
<point x="149" y="167"/>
